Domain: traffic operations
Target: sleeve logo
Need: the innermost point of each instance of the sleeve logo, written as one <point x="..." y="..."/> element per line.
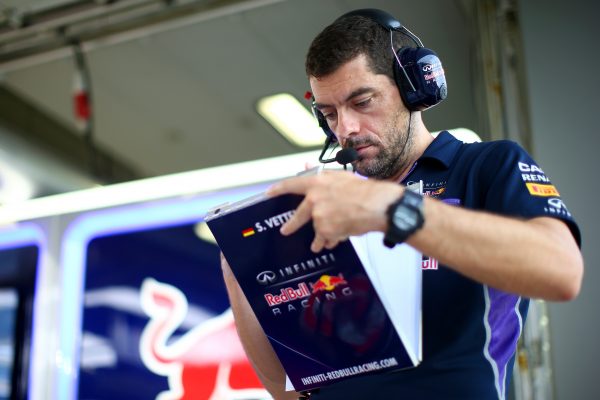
<point x="531" y="175"/>
<point x="537" y="189"/>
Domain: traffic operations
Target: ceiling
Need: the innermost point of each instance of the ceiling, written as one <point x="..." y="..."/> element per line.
<point x="174" y="87"/>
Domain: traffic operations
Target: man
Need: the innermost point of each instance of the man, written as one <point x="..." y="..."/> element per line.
<point x="498" y="228"/>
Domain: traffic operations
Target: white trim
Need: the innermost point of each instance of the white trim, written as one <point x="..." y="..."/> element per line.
<point x="161" y="187"/>
<point x="520" y="318"/>
<point x="488" y="339"/>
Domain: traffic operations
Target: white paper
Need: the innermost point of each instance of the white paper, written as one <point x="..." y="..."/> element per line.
<point x="289" y="387"/>
<point x="397" y="278"/>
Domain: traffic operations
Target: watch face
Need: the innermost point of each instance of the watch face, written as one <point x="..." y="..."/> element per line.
<point x="405" y="218"/>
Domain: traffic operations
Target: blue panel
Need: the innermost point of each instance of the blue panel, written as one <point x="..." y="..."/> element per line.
<point x="22" y="264"/>
<point x="106" y="257"/>
<point x="18" y="268"/>
<point x="116" y="267"/>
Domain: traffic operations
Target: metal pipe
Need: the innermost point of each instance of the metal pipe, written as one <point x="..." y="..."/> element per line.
<point x="51" y="47"/>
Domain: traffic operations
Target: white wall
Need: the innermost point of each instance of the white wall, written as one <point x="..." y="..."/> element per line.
<point x="561" y="47"/>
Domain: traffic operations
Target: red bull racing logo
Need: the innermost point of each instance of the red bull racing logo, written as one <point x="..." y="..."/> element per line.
<point x="328" y="282"/>
<point x="326" y="285"/>
<point x="206" y="363"/>
<point x="287" y="294"/>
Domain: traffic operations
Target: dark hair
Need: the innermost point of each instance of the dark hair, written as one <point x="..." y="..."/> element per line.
<point x="347" y="38"/>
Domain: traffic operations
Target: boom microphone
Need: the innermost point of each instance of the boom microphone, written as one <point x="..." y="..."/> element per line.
<point x="346" y="156"/>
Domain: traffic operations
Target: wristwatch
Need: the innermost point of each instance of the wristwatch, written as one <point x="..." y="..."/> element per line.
<point x="405" y="217"/>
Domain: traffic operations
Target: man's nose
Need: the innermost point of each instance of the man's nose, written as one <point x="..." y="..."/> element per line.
<point x="347" y="125"/>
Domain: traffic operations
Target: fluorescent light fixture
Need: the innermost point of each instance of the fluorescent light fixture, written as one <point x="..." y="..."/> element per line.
<point x="291" y="119"/>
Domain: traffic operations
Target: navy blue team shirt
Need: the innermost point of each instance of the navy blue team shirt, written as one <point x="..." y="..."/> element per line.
<point x="470" y="330"/>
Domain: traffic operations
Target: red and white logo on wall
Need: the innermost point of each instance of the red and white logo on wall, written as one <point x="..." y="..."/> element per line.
<point x="206" y="363"/>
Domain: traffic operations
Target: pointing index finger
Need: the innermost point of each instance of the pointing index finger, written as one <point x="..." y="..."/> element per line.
<point x="300" y="217"/>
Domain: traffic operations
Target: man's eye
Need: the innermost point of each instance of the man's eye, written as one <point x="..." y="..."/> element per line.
<point x="364" y="103"/>
<point x="329" y="116"/>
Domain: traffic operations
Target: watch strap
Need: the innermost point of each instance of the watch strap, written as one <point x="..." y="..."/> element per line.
<point x="411" y="202"/>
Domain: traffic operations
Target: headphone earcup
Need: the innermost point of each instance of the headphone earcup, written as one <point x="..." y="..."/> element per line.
<point x="420" y="78"/>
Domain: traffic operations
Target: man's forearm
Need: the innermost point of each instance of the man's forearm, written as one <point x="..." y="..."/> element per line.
<point x="257" y="347"/>
<point x="535" y="258"/>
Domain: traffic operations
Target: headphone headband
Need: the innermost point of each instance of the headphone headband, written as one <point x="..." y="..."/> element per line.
<point x="385" y="20"/>
<point x="381" y="17"/>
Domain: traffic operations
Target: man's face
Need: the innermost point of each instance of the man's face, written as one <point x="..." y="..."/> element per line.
<point x="365" y="112"/>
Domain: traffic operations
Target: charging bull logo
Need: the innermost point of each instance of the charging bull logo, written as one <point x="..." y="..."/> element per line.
<point x="328" y="282"/>
<point x="207" y="363"/>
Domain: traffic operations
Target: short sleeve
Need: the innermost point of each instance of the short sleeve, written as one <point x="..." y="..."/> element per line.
<point x="514" y="184"/>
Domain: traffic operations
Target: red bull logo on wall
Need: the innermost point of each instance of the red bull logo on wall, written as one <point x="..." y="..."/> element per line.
<point x="206" y="363"/>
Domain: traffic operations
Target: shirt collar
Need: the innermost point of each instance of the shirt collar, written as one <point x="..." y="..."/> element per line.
<point x="443" y="149"/>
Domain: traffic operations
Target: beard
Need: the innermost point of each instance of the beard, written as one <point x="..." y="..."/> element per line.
<point x="394" y="147"/>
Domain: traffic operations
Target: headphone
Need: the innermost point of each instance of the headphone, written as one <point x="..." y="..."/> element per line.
<point x="418" y="71"/>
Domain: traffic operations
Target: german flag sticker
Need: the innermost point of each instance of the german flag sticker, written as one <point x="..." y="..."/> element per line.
<point x="248" y="232"/>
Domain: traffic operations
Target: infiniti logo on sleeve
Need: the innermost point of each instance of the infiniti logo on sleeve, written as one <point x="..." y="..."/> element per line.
<point x="266" y="277"/>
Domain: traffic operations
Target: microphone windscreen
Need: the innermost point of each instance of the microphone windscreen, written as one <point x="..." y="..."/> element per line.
<point x="346" y="156"/>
